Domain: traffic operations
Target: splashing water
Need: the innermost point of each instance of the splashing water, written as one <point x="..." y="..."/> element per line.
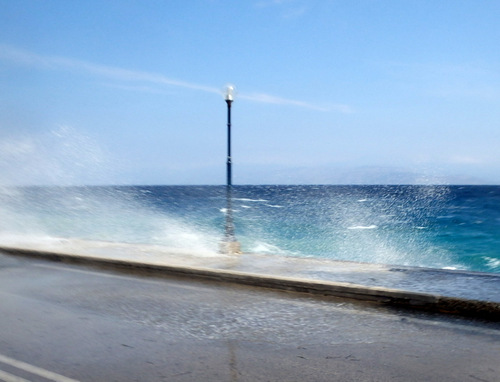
<point x="356" y="223"/>
<point x="59" y="159"/>
<point x="61" y="156"/>
<point x="433" y="226"/>
<point x="404" y="225"/>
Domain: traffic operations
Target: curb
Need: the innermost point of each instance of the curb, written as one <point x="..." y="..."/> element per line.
<point x="387" y="296"/>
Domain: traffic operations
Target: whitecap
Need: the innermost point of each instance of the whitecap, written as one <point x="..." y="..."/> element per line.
<point x="274" y="206"/>
<point x="373" y="226"/>
<point x="492" y="262"/>
<point x="224" y="210"/>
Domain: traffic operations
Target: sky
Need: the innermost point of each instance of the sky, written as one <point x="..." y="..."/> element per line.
<point x="328" y="91"/>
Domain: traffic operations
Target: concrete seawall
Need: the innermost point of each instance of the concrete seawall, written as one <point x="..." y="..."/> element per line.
<point x="453" y="292"/>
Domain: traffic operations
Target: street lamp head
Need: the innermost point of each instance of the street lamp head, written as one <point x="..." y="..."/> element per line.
<point x="229" y="93"/>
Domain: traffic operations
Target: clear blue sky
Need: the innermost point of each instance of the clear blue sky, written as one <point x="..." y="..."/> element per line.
<point x="128" y="92"/>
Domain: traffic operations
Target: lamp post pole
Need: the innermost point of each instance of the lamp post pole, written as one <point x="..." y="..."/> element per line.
<point x="229" y="101"/>
<point x="230" y="245"/>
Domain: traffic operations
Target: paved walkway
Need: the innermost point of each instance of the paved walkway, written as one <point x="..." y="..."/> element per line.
<point x="460" y="292"/>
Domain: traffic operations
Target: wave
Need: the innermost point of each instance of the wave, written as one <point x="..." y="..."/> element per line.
<point x="373" y="226"/>
<point x="334" y="223"/>
<point x="492" y="263"/>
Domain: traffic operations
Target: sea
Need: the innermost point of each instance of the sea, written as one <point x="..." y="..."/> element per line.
<point x="440" y="226"/>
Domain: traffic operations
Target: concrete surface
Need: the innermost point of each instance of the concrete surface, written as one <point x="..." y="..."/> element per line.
<point x="457" y="292"/>
<point x="72" y="322"/>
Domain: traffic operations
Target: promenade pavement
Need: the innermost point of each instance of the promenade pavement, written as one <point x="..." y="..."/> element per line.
<point x="449" y="291"/>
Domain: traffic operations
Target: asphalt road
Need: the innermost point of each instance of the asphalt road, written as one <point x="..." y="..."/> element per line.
<point x="71" y="323"/>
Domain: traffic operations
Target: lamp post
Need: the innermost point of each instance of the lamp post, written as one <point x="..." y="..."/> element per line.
<point x="229" y="97"/>
<point x="229" y="245"/>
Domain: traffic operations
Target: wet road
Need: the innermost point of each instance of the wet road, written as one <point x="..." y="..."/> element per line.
<point x="65" y="323"/>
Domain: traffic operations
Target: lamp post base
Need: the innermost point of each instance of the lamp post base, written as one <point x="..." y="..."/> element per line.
<point x="230" y="247"/>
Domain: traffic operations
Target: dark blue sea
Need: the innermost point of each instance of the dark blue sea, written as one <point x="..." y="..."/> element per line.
<point x="451" y="227"/>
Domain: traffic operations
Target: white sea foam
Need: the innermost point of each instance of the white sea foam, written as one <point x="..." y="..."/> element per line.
<point x="267" y="248"/>
<point x="180" y="236"/>
<point x="264" y="248"/>
<point x="373" y="226"/>
<point x="492" y="262"/>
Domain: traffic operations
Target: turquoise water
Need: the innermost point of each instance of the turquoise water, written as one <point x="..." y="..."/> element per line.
<point x="455" y="227"/>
